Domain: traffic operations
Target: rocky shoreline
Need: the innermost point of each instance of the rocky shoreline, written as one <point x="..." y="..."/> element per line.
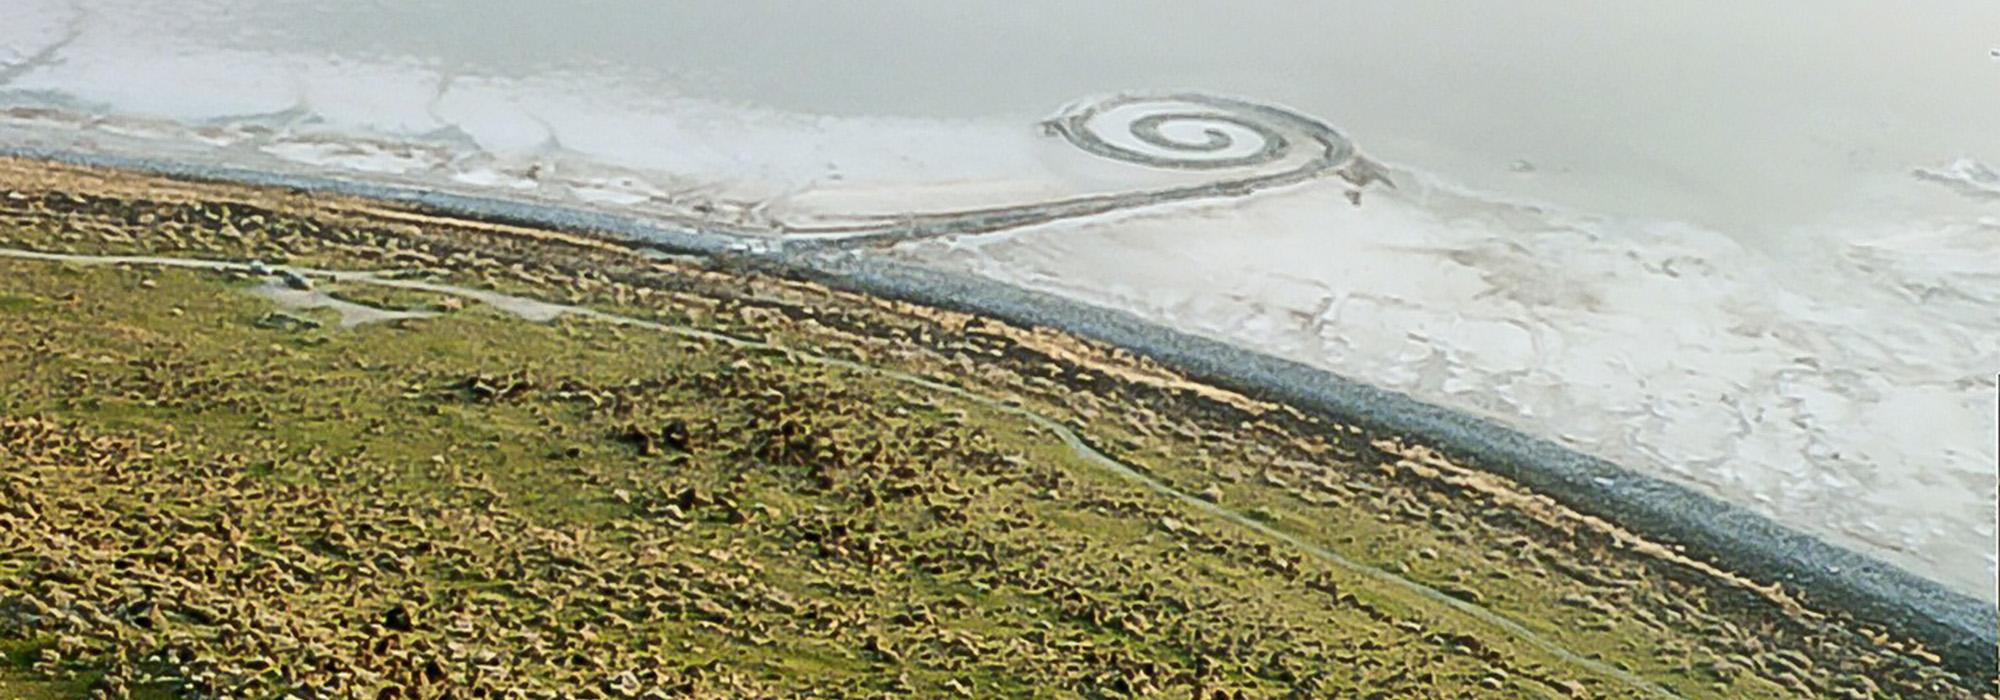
<point x="1478" y="565"/>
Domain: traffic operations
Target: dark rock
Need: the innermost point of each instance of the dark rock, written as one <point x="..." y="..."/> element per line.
<point x="399" y="619"/>
<point x="285" y="322"/>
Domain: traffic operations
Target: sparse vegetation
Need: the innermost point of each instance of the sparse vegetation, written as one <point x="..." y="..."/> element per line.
<point x="197" y="503"/>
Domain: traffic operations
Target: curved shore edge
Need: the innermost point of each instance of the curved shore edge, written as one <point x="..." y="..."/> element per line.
<point x="1963" y="631"/>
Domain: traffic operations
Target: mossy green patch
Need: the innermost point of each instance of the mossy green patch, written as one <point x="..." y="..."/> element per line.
<point x="18" y="302"/>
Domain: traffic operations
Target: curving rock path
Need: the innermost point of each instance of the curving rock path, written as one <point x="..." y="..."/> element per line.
<point x="1182" y="131"/>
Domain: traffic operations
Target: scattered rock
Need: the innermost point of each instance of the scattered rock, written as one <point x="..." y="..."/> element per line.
<point x="398" y="618"/>
<point x="278" y="320"/>
<point x="296" y="281"/>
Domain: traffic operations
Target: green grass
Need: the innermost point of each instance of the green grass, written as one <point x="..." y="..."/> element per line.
<point x="18" y="302"/>
<point x="389" y="401"/>
<point x="822" y="530"/>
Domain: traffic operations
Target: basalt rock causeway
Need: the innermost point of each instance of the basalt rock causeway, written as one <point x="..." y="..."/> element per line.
<point x="268" y="441"/>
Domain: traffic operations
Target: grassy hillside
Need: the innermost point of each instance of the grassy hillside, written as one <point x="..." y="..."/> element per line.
<point x="698" y="482"/>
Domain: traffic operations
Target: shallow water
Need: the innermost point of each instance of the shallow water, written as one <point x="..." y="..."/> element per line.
<point x="1752" y="248"/>
<point x="1726" y="114"/>
<point x="351" y="313"/>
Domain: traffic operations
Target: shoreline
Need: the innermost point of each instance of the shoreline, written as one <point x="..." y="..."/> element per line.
<point x="1962" y="629"/>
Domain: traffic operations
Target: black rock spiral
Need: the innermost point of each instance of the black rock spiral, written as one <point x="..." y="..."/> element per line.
<point x="1274" y="128"/>
<point x="1293" y="148"/>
